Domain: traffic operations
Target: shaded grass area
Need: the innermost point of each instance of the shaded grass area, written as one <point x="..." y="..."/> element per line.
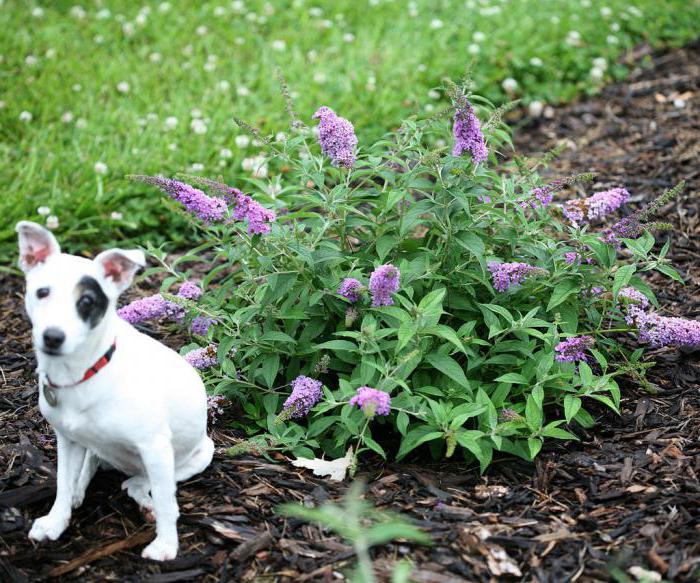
<point x="92" y="93"/>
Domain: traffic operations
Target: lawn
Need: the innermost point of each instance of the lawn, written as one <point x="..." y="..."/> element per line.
<point x="92" y="93"/>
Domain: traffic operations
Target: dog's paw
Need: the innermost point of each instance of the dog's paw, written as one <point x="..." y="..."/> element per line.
<point x="77" y="500"/>
<point x="160" y="550"/>
<point x="47" y="528"/>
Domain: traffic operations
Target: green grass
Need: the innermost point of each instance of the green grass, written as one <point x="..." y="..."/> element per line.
<point x="381" y="73"/>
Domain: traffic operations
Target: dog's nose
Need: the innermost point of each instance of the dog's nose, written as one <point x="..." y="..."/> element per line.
<point x="53" y="338"/>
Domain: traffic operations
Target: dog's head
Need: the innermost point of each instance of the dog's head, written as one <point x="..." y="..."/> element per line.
<point x="68" y="297"/>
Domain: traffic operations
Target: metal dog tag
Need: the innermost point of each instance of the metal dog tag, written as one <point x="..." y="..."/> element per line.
<point x="50" y="396"/>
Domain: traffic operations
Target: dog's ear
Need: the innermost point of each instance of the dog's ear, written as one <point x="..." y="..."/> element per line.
<point x="36" y="245"/>
<point x="119" y="265"/>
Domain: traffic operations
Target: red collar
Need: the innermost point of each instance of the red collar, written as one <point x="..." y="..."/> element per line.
<point x="92" y="371"/>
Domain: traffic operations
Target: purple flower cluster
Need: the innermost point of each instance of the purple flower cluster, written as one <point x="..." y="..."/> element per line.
<point x="573" y="349"/>
<point x="384" y="281"/>
<point x="215" y="407"/>
<point x="468" y="135"/>
<point x="306" y="392"/>
<point x="201" y="324"/>
<point x="371" y="401"/>
<point x="350" y="288"/>
<point x="539" y="196"/>
<point x="202" y="358"/>
<point x="572" y="257"/>
<point x="156" y="306"/>
<point x="336" y="135"/>
<point x="629" y="295"/>
<point x="627" y="228"/>
<point x="506" y="275"/>
<point x="210" y="209"/>
<point x="596" y="206"/>
<point x="258" y="217"/>
<point x="662" y="330"/>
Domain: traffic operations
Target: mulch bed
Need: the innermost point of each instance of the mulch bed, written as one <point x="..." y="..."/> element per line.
<point x="627" y="495"/>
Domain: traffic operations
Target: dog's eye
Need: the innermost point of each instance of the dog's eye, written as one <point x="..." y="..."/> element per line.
<point x="42" y="292"/>
<point x="85" y="302"/>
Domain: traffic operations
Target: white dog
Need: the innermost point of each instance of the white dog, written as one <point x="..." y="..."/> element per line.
<point x="114" y="396"/>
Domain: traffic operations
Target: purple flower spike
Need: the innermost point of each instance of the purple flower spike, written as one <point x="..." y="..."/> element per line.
<point x="149" y="308"/>
<point x="350" y="288"/>
<point x="201" y="324"/>
<point x="306" y="392"/>
<point x="572" y="257"/>
<point x="371" y="401"/>
<point x="468" y="135"/>
<point x="506" y="275"/>
<point x="594" y="207"/>
<point x="664" y="331"/>
<point x="258" y="217"/>
<point x="190" y="291"/>
<point x="206" y="208"/>
<point x="629" y="295"/>
<point x="336" y="135"/>
<point x="573" y="349"/>
<point x="384" y="281"/>
<point x="202" y="358"/>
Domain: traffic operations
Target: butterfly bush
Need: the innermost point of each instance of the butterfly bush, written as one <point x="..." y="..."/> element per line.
<point x="156" y="306"/>
<point x="457" y="325"/>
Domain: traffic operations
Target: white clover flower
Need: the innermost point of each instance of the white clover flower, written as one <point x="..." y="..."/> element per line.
<point x="172" y="147"/>
<point x="78" y="12"/>
<point x="473" y="49"/>
<point x="597" y="74"/>
<point x="224" y="85"/>
<point x="429" y="107"/>
<point x="554" y="19"/>
<point x="434" y="94"/>
<point x="197" y="167"/>
<point x="123" y="87"/>
<point x="50" y="53"/>
<point x="509" y="85"/>
<point x="256" y="165"/>
<point x="436" y="23"/>
<point x="490" y="10"/>
<point x="100" y="168"/>
<point x="77" y="87"/>
<point x="226" y="154"/>
<point x="615" y="26"/>
<point x="209" y="66"/>
<point x="239" y="40"/>
<point x="315" y="11"/>
<point x="196" y="113"/>
<point x="116" y="216"/>
<point x="243" y="91"/>
<point x="242" y="141"/>
<point x="164" y="7"/>
<point x="251" y="17"/>
<point x="348" y="37"/>
<point x="2" y="104"/>
<point x="585" y="3"/>
<point x="26" y="116"/>
<point x="634" y="11"/>
<point x="219" y="11"/>
<point x="37" y="12"/>
<point x="319" y="77"/>
<point x="99" y="39"/>
<point x="600" y="63"/>
<point x="187" y="50"/>
<point x="155" y="57"/>
<point x="326" y="23"/>
<point x="52" y="222"/>
<point x="422" y="67"/>
<point x="274" y="188"/>
<point x="67" y="117"/>
<point x="312" y="55"/>
<point x="81" y="123"/>
<point x="198" y="126"/>
<point x="606" y="11"/>
<point x="479" y="37"/>
<point x="279" y="45"/>
<point x="412" y="9"/>
<point x="43" y="211"/>
<point x="573" y="38"/>
<point x="238" y="6"/>
<point x="612" y="39"/>
<point x="536" y="62"/>
<point x="128" y="29"/>
<point x="141" y="19"/>
<point x="535" y="109"/>
<point x="201" y="30"/>
<point x="170" y="123"/>
<point x="30" y="60"/>
<point x="280" y="137"/>
<point x="103" y="14"/>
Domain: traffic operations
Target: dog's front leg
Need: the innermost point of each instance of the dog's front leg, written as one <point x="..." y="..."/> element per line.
<point x="159" y="459"/>
<point x="70" y="461"/>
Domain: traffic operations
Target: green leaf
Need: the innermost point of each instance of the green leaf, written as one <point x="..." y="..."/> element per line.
<point x="337" y="345"/>
<point x="561" y="292"/>
<point x="384" y="245"/>
<point x="572" y="405"/>
<point x="270" y="367"/>
<point x="449" y="367"/>
<point x="622" y="278"/>
<point x="472" y="243"/>
<point x="513" y="378"/>
<point x="402" y="422"/>
<point x="416" y="437"/>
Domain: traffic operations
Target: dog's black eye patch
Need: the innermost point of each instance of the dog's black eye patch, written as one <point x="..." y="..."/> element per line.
<point x="92" y="302"/>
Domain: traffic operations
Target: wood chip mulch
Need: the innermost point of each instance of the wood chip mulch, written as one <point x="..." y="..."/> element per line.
<point x="627" y="497"/>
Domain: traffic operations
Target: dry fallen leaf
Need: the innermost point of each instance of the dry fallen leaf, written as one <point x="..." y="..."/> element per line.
<point x="334" y="469"/>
